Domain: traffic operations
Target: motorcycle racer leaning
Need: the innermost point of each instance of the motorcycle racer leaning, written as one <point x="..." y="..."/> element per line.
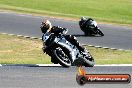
<point x="47" y="28"/>
<point x="88" y="23"/>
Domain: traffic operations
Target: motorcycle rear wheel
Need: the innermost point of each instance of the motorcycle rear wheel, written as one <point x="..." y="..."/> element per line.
<point x="89" y="63"/>
<point x="89" y="60"/>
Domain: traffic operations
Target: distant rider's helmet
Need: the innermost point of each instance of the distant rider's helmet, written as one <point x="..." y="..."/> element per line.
<point x="45" y="26"/>
<point x="83" y="18"/>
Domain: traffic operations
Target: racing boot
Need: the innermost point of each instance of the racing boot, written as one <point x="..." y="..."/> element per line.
<point x="73" y="40"/>
<point x="84" y="52"/>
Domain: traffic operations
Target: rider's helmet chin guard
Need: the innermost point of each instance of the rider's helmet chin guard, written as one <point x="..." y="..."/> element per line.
<point x="46" y="26"/>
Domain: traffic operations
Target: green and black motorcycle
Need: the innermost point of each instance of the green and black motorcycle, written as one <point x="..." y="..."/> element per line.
<point x="89" y="27"/>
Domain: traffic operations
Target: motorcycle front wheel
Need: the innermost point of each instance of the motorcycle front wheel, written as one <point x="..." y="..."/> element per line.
<point x="100" y="32"/>
<point x="63" y="57"/>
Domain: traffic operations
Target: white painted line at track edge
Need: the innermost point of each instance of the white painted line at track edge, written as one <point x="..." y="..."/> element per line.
<point x="58" y="65"/>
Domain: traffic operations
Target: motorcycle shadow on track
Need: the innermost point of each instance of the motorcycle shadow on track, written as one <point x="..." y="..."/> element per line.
<point x="82" y="35"/>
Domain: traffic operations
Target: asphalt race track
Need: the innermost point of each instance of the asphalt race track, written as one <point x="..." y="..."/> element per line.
<point x="115" y="36"/>
<point x="58" y="77"/>
<point x="55" y="77"/>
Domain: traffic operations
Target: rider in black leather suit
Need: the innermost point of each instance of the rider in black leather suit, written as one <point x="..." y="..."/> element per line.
<point x="47" y="27"/>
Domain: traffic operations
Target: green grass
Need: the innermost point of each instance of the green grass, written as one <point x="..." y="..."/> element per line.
<point x="19" y="50"/>
<point x="14" y="50"/>
<point x="116" y="11"/>
<point x="108" y="56"/>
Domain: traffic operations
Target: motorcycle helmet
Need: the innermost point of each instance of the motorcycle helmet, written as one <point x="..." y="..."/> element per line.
<point x="45" y="26"/>
<point x="83" y="18"/>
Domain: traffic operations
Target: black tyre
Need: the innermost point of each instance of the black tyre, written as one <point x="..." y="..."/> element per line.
<point x="100" y="32"/>
<point x="89" y="61"/>
<point x="62" y="57"/>
<point x="81" y="80"/>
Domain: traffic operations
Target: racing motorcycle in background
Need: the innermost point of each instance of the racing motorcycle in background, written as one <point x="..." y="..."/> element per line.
<point x="63" y="52"/>
<point x="89" y="27"/>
